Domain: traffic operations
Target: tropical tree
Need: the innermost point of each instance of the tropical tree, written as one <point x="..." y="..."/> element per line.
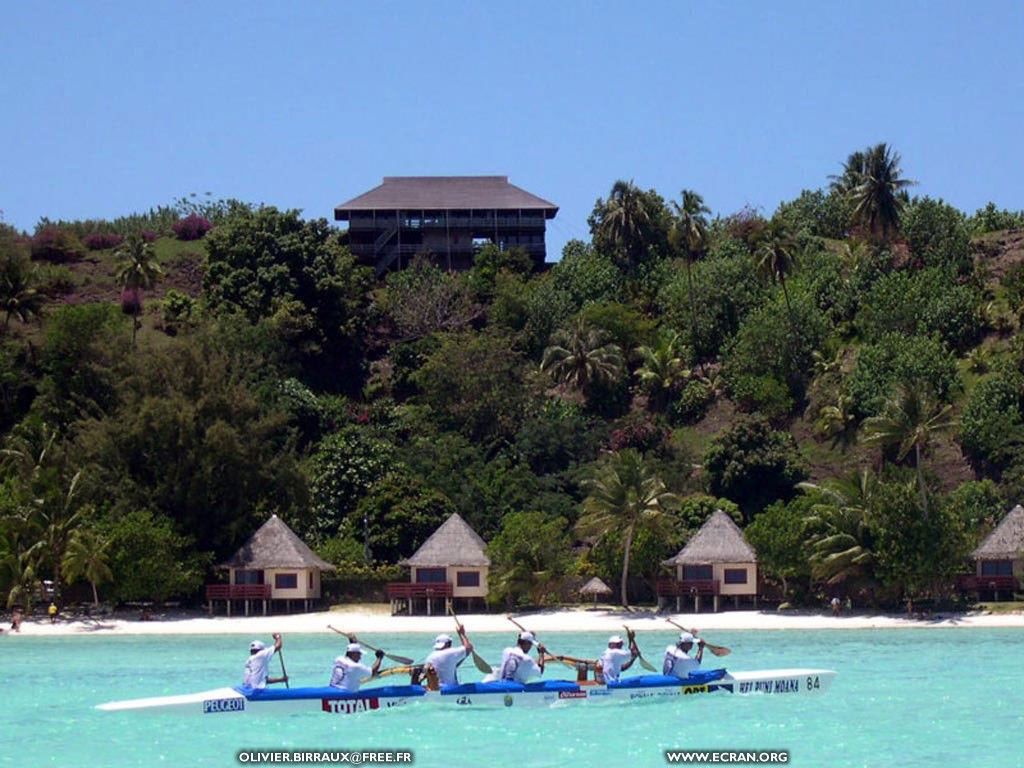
<point x="624" y="496"/>
<point x="776" y="259"/>
<point x="57" y="518"/>
<point x="908" y="421"/>
<point x="18" y="297"/>
<point x="663" y="368"/>
<point x="841" y="542"/>
<point x="624" y="222"/>
<point x="87" y="557"/>
<point x="688" y="235"/>
<point x="137" y="271"/>
<point x="878" y="194"/>
<point x="582" y="357"/>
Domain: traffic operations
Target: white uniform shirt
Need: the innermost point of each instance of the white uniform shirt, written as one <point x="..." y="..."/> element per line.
<point x="348" y="674"/>
<point x="256" y="667"/>
<point x="678" y="663"/>
<point x="445" y="662"/>
<point x="611" y="663"/>
<point x="517" y="665"/>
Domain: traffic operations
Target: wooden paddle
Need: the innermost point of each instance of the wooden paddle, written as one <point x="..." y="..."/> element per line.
<point x="631" y="638"/>
<point x="524" y="629"/>
<point x="478" y="660"/>
<point x="393" y="656"/>
<point x="718" y="650"/>
<point x="284" y="674"/>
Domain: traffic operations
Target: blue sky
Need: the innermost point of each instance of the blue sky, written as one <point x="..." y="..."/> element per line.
<point x="112" y="107"/>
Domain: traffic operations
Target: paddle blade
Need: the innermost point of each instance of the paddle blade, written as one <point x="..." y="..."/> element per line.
<point x="399" y="659"/>
<point x="646" y="664"/>
<point x="718" y="650"/>
<point x="481" y="664"/>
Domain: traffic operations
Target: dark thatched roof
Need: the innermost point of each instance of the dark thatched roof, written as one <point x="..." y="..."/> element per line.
<point x="1006" y="542"/>
<point x="418" y="193"/>
<point x="719" y="540"/>
<point x="275" y="545"/>
<point x="453" y="543"/>
<point x="595" y="587"/>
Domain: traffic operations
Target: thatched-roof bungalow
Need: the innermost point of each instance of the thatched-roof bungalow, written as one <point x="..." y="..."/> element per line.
<point x="595" y="588"/>
<point x="273" y="565"/>
<point x="451" y="565"/>
<point x="716" y="562"/>
<point x="999" y="559"/>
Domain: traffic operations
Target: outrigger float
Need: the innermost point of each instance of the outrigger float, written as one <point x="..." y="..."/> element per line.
<point x="639" y="688"/>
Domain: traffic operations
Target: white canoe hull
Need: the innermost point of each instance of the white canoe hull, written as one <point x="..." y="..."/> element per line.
<point x="230" y="701"/>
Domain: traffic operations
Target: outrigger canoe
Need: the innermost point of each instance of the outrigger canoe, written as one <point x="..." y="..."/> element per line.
<point x="239" y="700"/>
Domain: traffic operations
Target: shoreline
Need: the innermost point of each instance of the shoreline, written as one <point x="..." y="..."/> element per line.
<point x="365" y="619"/>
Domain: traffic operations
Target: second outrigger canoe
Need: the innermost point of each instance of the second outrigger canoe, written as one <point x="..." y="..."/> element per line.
<point x="238" y="700"/>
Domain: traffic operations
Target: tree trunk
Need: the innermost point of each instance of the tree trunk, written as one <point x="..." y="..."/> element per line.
<point x="920" y="479"/>
<point x="693" y="306"/>
<point x="625" y="567"/>
<point x="135" y="326"/>
<point x="95" y="595"/>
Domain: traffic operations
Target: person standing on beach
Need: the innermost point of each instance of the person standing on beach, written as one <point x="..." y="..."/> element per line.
<point x="349" y="671"/>
<point x="52" y="610"/>
<point x="257" y="666"/>
<point x="678" y="661"/>
<point x="445" y="659"/>
<point x="516" y="664"/>
<point x="835" y="606"/>
<point x="616" y="660"/>
<point x="16" y="620"/>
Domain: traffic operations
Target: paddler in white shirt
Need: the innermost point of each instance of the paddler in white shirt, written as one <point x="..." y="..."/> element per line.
<point x="516" y="664"/>
<point x="258" y="664"/>
<point x="678" y="661"/>
<point x="616" y="660"/>
<point x="349" y="671"/>
<point x="445" y="659"/>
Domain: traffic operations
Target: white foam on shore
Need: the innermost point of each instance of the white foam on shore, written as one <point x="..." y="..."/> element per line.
<point x="367" y="619"/>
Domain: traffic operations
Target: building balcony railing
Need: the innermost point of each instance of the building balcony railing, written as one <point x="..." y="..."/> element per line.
<point x="972" y="582"/>
<point x="674" y="588"/>
<point x="407" y="589"/>
<point x="407" y="249"/>
<point x="453" y="222"/>
<point x="237" y="591"/>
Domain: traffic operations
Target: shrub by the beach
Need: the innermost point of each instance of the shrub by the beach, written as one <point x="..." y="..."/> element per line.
<point x="55" y="244"/>
<point x="100" y="241"/>
<point x="192" y="227"/>
<point x="779" y="535"/>
<point x="529" y="556"/>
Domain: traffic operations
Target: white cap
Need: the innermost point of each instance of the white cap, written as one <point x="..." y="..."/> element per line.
<point x="256" y="645"/>
<point x="615" y="639"/>
<point x="686" y="637"/>
<point x="442" y="641"/>
<point x="354" y="648"/>
<point x="527" y="637"/>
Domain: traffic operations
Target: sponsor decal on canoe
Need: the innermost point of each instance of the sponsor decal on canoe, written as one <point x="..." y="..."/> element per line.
<point x="349" y="706"/>
<point x="771" y="686"/>
<point x="211" y="706"/>
<point x="572" y="694"/>
<point x="464" y="700"/>
<point x="599" y="692"/>
<point x="508" y="700"/>
<point x="688" y="689"/>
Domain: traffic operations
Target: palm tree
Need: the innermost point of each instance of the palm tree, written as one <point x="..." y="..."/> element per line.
<point x="907" y="423"/>
<point x="851" y="177"/>
<point x="18" y="297"/>
<point x="663" y="368"/>
<point x="689" y="235"/>
<point x="582" y="357"/>
<point x="841" y="545"/>
<point x="625" y="221"/>
<point x="776" y="258"/>
<point x="138" y="271"/>
<point x="879" y="195"/>
<point x="838" y="422"/>
<point x="56" y="521"/>
<point x="87" y="557"/>
<point x="624" y="496"/>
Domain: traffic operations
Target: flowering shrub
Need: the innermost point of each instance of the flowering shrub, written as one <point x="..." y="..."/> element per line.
<point x="147" y="235"/>
<point x="192" y="227"/>
<point x="55" y="244"/>
<point x="131" y="301"/>
<point x="100" y="241"/>
<point x="643" y="435"/>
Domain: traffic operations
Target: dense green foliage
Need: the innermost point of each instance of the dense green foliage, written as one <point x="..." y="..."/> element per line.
<point x="585" y="419"/>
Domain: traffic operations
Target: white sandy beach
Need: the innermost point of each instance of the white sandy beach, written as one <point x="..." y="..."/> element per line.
<point x="372" y="619"/>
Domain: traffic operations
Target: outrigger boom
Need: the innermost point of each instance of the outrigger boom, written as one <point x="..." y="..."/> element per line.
<point x="234" y="701"/>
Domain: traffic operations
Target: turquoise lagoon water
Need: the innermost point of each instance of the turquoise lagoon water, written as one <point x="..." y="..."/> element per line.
<point x="925" y="697"/>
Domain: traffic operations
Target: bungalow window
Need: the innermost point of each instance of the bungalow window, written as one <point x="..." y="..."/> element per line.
<point x="310" y="579"/>
<point x="698" y="573"/>
<point x="735" y="575"/>
<point x="997" y="568"/>
<point x="467" y="579"/>
<point x="286" y="581"/>
<point x="431" y="575"/>
<point x="243" y="576"/>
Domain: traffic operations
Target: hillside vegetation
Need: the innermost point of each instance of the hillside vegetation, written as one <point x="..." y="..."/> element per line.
<point x="845" y="377"/>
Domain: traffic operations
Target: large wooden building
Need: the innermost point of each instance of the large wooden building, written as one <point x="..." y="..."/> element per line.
<point x="717" y="562"/>
<point x="999" y="560"/>
<point x="451" y="565"/>
<point x="273" y="569"/>
<point x="446" y="218"/>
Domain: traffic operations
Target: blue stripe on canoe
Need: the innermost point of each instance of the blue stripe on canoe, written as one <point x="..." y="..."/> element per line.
<point x="700" y="677"/>
<point x="507" y="686"/>
<point x="326" y="692"/>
